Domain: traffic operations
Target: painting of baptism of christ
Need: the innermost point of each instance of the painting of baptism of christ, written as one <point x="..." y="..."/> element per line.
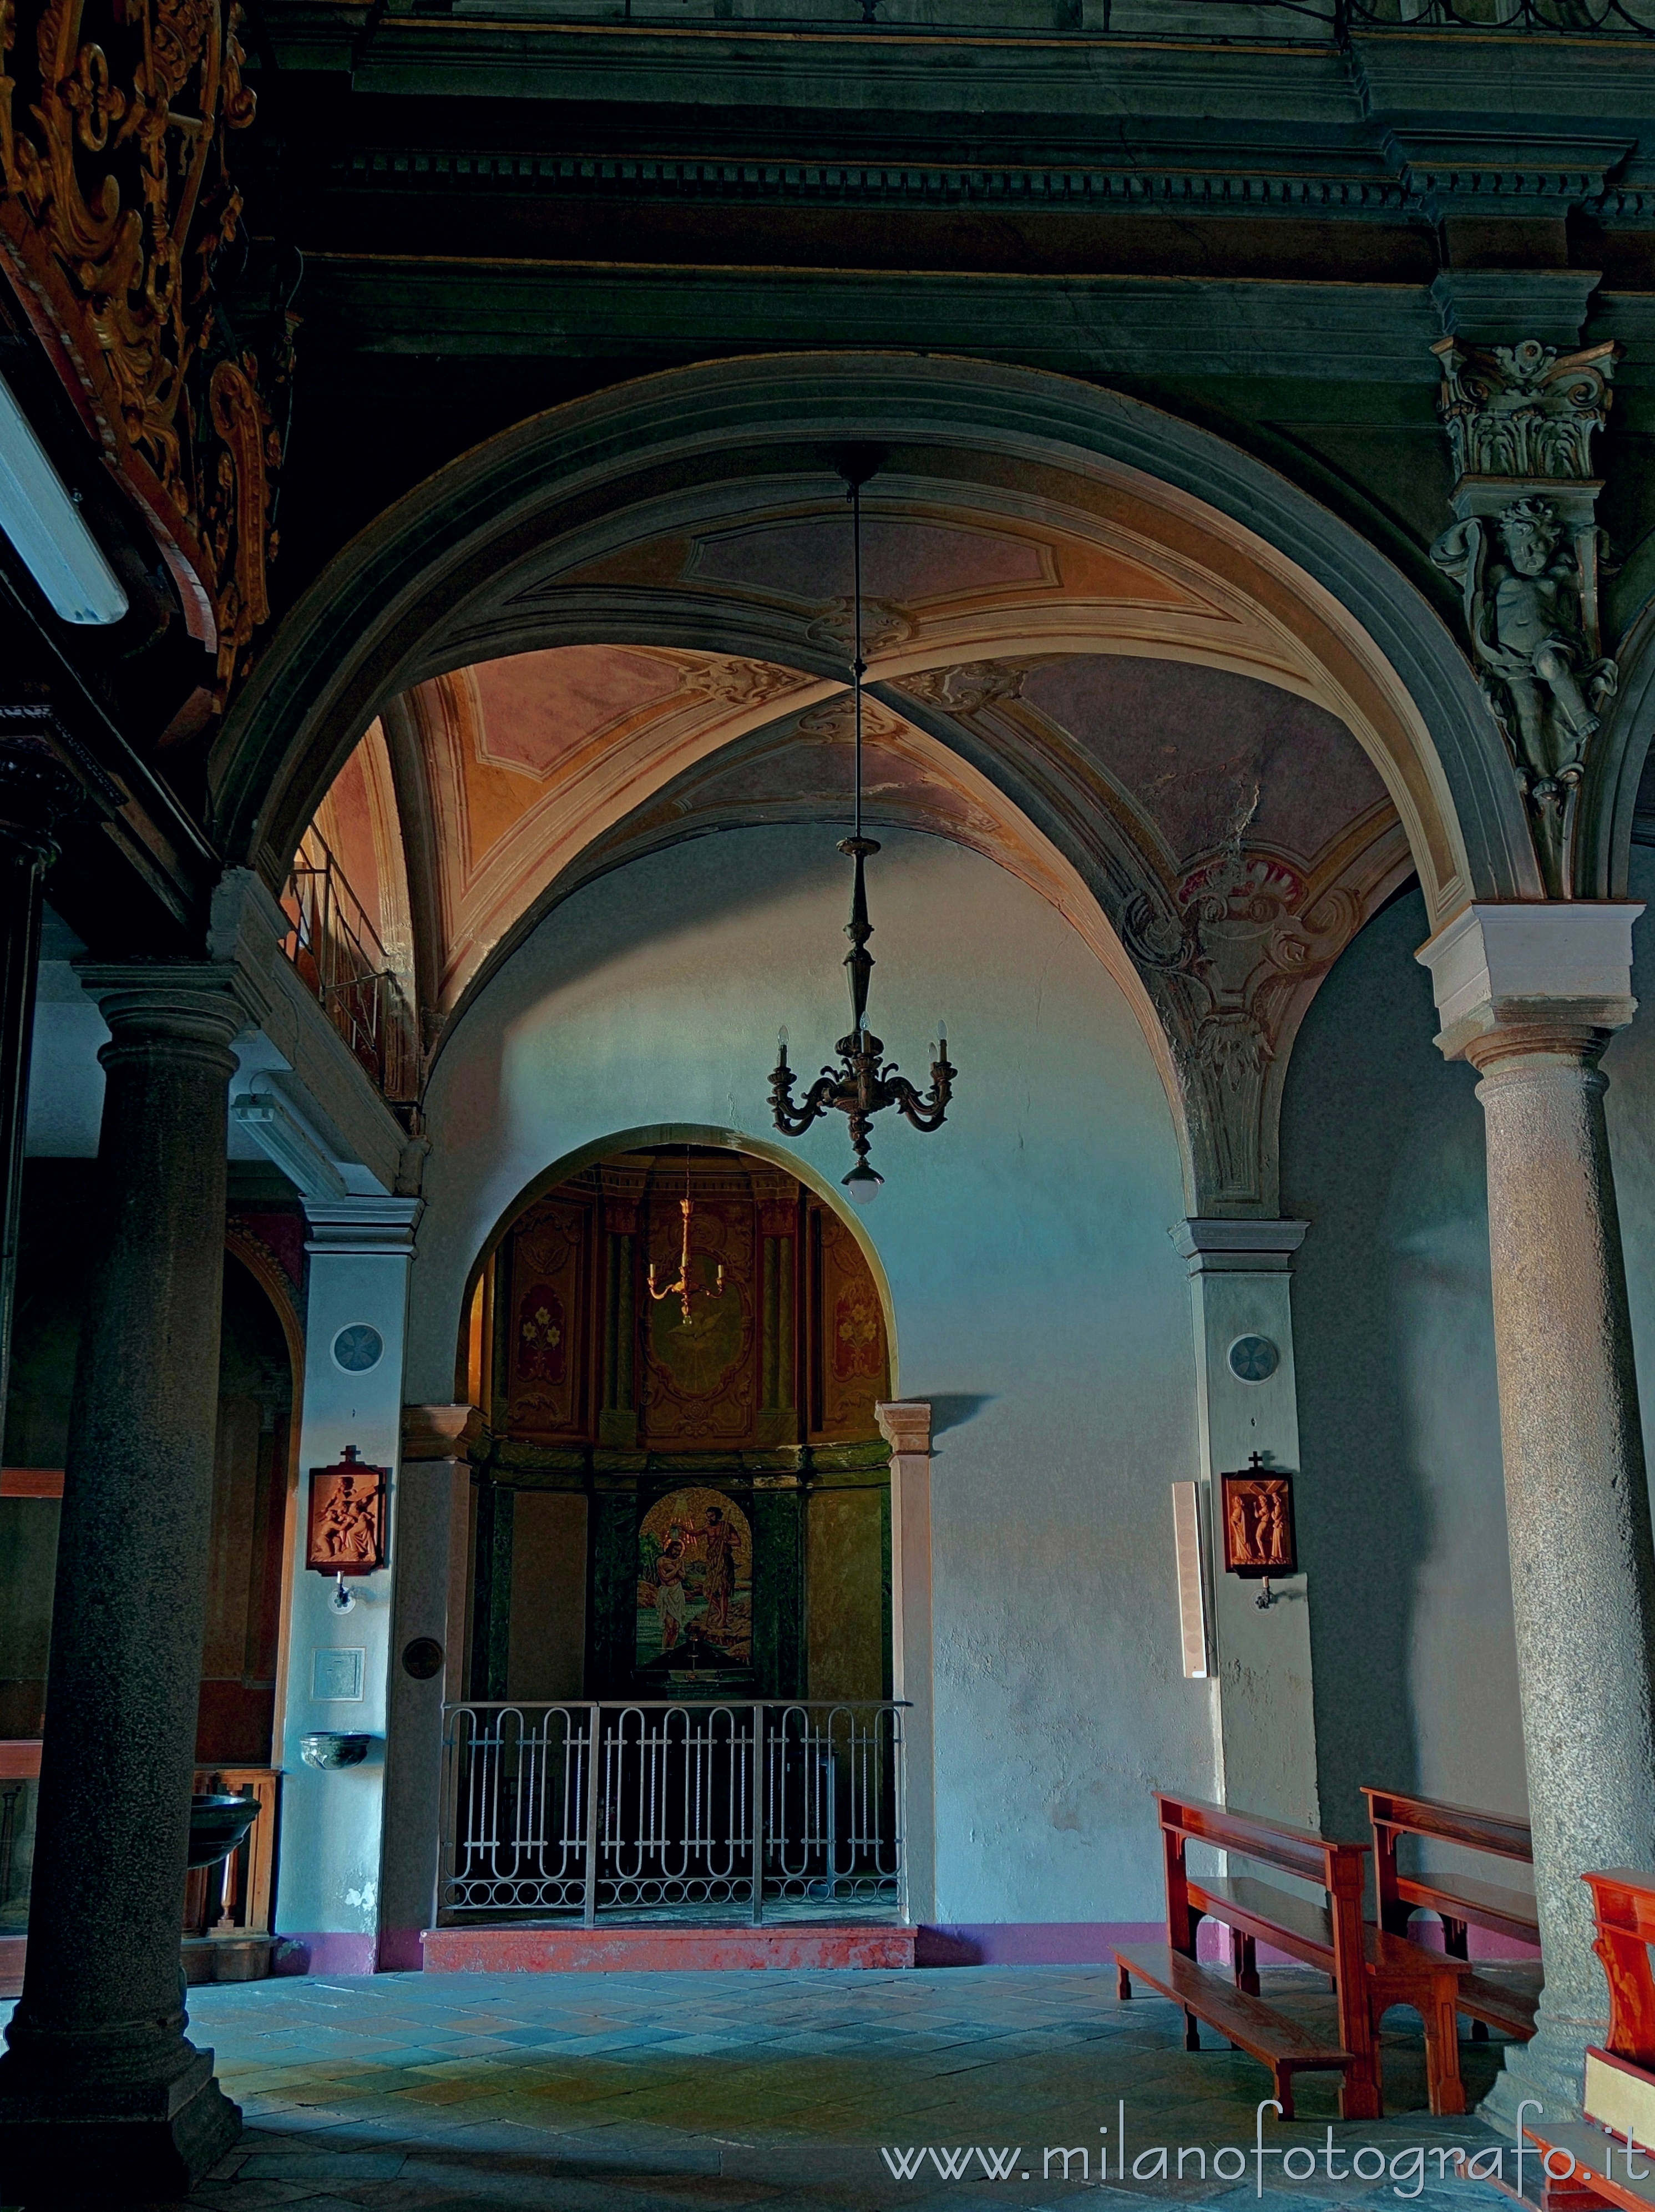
<point x="695" y="1581"/>
<point x="1258" y="1530"/>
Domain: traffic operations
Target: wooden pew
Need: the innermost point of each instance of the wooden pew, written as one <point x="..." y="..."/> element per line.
<point x="1606" y="2156"/>
<point x="1460" y="1903"/>
<point x="1370" y="1969"/>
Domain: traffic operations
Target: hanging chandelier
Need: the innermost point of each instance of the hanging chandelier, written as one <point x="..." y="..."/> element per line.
<point x="685" y="1288"/>
<point x="864" y="1084"/>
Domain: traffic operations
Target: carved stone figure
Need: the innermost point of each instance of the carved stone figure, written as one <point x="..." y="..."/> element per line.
<point x="1527" y="555"/>
<point x="1523" y="595"/>
<point x="1528" y="589"/>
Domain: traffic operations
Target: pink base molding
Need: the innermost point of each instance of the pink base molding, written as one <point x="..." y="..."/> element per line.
<point x="654" y="1950"/>
<point x="572" y="1949"/>
<point x="1039" y="1943"/>
<point x="400" y="1951"/>
<point x="1088" y="1943"/>
<point x="327" y="1953"/>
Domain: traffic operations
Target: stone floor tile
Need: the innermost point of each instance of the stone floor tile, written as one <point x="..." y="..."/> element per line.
<point x="332" y="2166"/>
<point x="718" y="2092"/>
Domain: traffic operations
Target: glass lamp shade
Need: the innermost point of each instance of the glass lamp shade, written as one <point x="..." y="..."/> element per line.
<point x="863" y="1183"/>
<point x="43" y="522"/>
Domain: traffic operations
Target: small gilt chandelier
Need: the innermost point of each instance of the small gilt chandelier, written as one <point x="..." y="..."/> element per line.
<point x="685" y="1288"/>
<point x="863" y="1083"/>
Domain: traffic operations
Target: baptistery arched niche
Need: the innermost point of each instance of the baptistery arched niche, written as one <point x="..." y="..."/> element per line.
<point x="684" y="1489"/>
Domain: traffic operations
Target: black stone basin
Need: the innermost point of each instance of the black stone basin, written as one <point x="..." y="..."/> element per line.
<point x="217" y="1825"/>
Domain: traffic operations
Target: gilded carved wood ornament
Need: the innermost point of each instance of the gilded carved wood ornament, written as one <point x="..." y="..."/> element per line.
<point x="114" y="117"/>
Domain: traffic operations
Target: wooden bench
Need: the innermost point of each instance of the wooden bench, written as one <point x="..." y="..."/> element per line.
<point x="1369" y="1969"/>
<point x="1461" y="1904"/>
<point x="1588" y="2161"/>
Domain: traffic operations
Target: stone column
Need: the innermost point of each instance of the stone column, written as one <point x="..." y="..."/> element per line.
<point x="1529" y="995"/>
<point x="35" y="793"/>
<point x="905" y="1425"/>
<point x="1264" y="1718"/>
<point x="99" y="2090"/>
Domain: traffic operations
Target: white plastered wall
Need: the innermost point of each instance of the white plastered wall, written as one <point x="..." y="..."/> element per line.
<point x="1040" y="1305"/>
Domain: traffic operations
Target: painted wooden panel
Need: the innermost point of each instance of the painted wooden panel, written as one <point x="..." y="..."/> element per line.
<point x="845" y="1596"/>
<point x="853" y="1360"/>
<point x="700" y="1382"/>
<point x="546" y="1645"/>
<point x="546" y="1392"/>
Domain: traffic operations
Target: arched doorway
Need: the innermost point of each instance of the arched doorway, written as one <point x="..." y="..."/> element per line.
<point x="679" y="1643"/>
<point x="686" y="1492"/>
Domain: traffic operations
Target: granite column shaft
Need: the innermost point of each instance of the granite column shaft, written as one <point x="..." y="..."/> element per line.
<point x="1578" y="1515"/>
<point x="99" y="2091"/>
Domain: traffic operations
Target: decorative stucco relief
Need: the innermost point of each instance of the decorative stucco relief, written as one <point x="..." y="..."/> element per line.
<point x="1229" y="958"/>
<point x="1234" y="836"/>
<point x="972" y="684"/>
<point x="884" y="624"/>
<point x="1529" y="557"/>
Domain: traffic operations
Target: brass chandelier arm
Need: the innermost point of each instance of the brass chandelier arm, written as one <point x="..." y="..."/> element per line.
<point x="793" y="1120"/>
<point x="926" y="1112"/>
<point x="684" y="1290"/>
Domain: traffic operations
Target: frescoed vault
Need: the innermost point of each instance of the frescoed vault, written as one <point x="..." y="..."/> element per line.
<point x="1155" y="755"/>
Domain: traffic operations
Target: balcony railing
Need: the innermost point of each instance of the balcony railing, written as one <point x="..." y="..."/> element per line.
<point x="654" y="1810"/>
<point x="337" y="951"/>
<point x="1231" y="21"/>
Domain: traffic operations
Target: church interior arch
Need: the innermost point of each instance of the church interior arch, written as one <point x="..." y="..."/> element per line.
<point x="684" y="1490"/>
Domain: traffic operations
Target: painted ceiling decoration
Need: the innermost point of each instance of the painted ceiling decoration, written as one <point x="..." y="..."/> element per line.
<point x="1150" y="752"/>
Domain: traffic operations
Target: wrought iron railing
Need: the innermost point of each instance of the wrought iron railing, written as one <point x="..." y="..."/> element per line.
<point x="648" y="1809"/>
<point x="338" y="952"/>
<point x="1234" y="21"/>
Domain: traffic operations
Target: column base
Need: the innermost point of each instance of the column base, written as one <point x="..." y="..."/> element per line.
<point x="65" y="2146"/>
<point x="1550" y="2070"/>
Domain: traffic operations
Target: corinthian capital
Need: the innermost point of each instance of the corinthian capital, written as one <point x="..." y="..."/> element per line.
<point x="1522" y="413"/>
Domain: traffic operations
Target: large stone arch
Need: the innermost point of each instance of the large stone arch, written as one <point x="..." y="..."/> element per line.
<point x="1615" y="766"/>
<point x="449" y="574"/>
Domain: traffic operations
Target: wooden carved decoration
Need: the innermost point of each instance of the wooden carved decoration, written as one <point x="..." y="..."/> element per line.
<point x="344" y="1528"/>
<point x="1258" y="1530"/>
<point x="118" y="205"/>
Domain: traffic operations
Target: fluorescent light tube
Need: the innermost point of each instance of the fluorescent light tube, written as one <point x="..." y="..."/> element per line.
<point x="44" y="525"/>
